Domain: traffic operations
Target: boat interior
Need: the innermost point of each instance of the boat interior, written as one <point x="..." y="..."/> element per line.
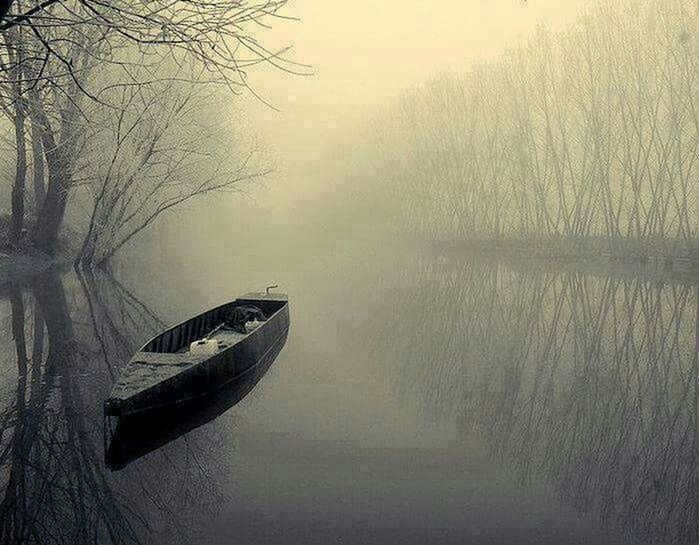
<point x="178" y="338"/>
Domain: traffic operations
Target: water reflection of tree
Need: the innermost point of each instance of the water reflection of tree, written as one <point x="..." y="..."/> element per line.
<point x="51" y="436"/>
<point x="56" y="490"/>
<point x="591" y="381"/>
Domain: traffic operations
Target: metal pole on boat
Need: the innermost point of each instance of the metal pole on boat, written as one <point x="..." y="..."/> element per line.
<point x="271" y="288"/>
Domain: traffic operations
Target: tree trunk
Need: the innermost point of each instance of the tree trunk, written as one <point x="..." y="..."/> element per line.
<point x="37" y="167"/>
<point x="50" y="216"/>
<point x="14" y="40"/>
<point x="17" y="221"/>
<point x="59" y="159"/>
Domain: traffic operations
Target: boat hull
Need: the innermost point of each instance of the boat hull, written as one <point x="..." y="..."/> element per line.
<point x="176" y="378"/>
<point x="138" y="434"/>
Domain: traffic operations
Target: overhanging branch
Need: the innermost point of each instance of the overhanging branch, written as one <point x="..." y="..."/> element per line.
<point x="5" y="5"/>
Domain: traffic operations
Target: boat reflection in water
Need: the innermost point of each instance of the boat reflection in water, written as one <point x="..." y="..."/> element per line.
<point x="131" y="437"/>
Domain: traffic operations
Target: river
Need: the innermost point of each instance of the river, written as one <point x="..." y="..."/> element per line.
<point x="418" y="400"/>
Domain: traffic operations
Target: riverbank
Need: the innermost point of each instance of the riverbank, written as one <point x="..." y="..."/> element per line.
<point x="22" y="270"/>
<point x="22" y="255"/>
<point x="562" y="259"/>
<point x="667" y="253"/>
<point x="20" y="264"/>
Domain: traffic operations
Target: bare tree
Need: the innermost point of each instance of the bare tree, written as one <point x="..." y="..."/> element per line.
<point x="162" y="147"/>
<point x="581" y="142"/>
<point x="215" y="35"/>
<point x="78" y="57"/>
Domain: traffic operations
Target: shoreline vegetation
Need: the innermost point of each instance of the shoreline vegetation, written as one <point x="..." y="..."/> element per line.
<point x="580" y="144"/>
<point x="597" y="259"/>
<point x="663" y="254"/>
<point x="110" y="116"/>
<point x="21" y="261"/>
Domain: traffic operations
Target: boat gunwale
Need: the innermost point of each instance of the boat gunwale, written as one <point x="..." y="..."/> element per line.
<point x="284" y="301"/>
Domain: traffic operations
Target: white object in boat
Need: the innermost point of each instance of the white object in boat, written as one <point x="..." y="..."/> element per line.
<point x="204" y="347"/>
<point x="252" y="326"/>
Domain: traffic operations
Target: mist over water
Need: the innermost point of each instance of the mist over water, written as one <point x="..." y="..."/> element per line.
<point x="447" y="400"/>
<point x="421" y="396"/>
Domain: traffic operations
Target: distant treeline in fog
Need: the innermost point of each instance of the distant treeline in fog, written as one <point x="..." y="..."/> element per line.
<point x="583" y="141"/>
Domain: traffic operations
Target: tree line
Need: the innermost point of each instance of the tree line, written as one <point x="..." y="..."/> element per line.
<point x="111" y="113"/>
<point x="587" y="136"/>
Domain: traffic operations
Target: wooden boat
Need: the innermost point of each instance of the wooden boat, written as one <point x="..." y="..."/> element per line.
<point x="165" y="373"/>
<point x="136" y="435"/>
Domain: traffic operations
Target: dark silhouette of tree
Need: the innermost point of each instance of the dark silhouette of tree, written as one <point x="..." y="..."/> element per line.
<point x="64" y="65"/>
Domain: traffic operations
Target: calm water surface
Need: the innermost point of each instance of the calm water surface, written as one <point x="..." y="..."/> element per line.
<point x="417" y="400"/>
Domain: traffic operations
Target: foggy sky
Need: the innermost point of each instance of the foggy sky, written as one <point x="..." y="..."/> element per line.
<point x="364" y="52"/>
